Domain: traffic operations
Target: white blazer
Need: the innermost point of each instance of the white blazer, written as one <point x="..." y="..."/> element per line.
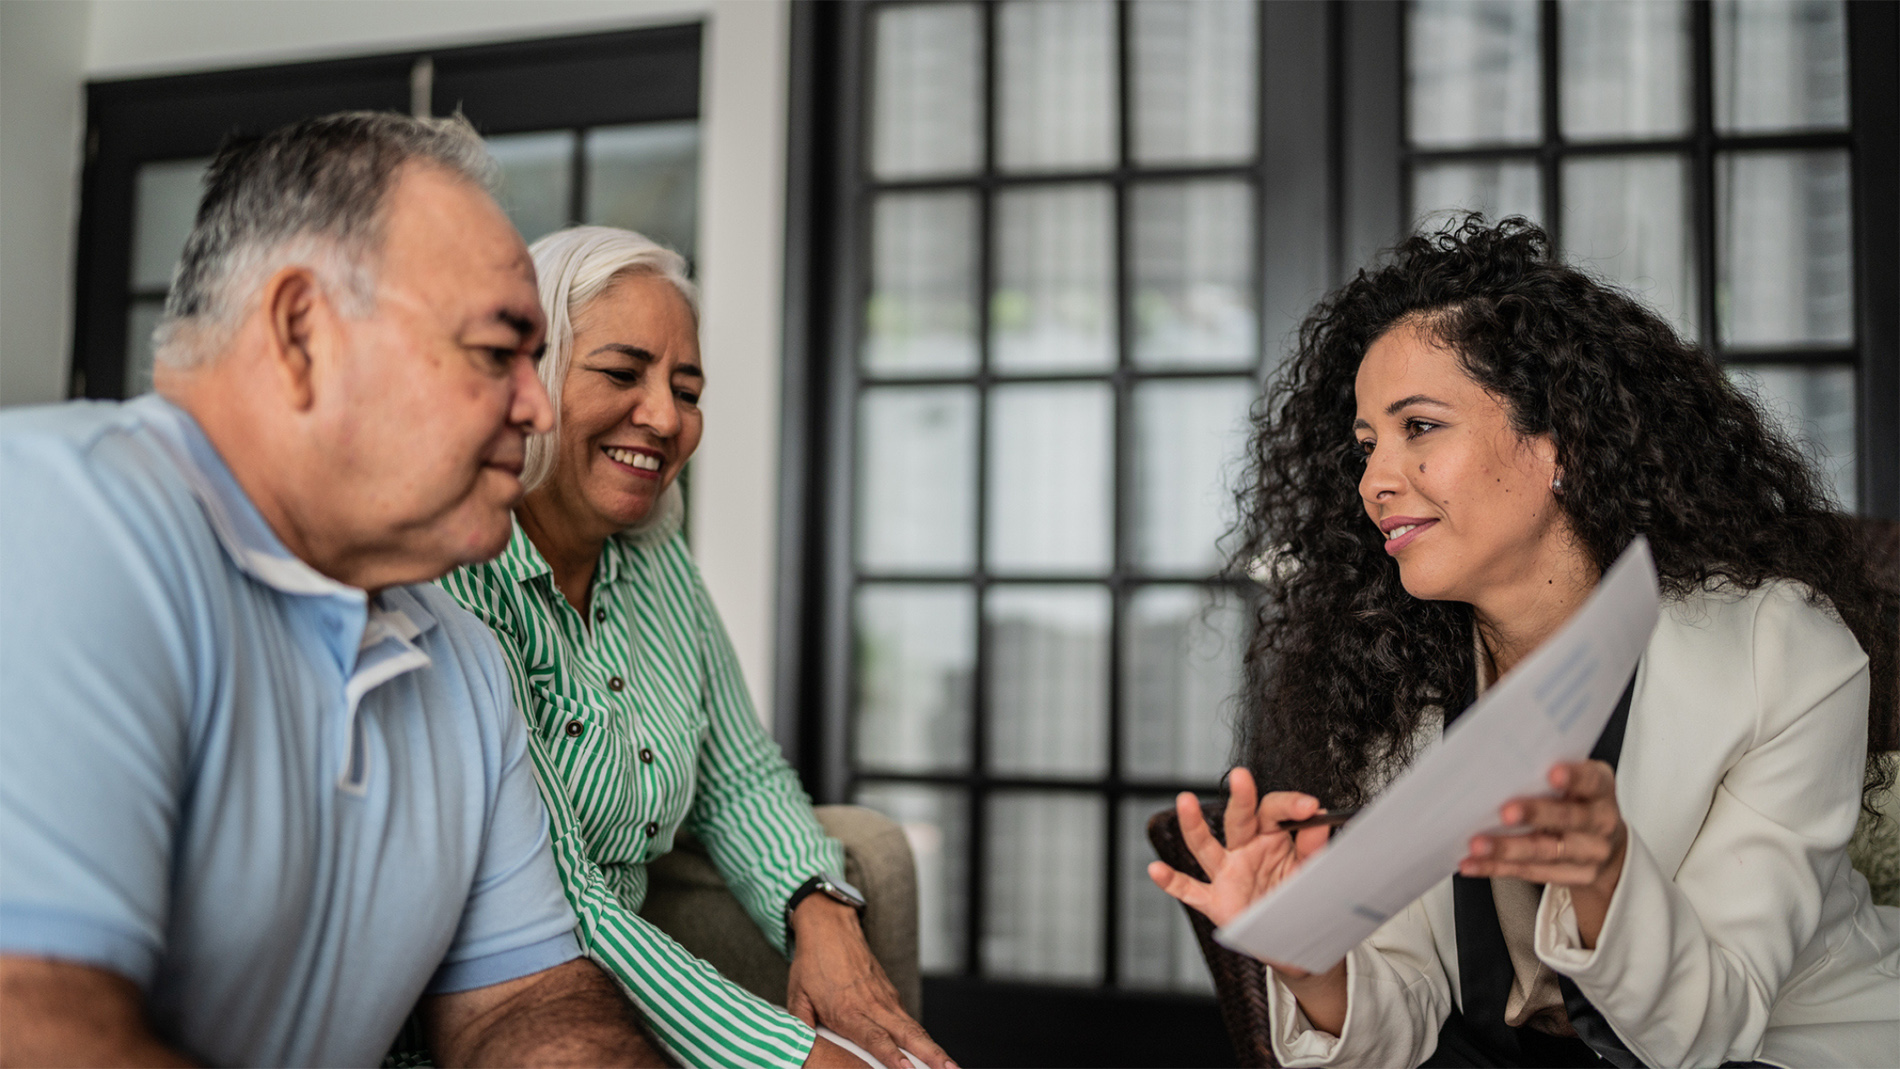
<point x="1738" y="930"/>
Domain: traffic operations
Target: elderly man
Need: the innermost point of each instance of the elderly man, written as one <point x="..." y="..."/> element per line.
<point x="258" y="790"/>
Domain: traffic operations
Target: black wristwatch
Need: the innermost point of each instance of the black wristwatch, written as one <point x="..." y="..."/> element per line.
<point x="836" y="890"/>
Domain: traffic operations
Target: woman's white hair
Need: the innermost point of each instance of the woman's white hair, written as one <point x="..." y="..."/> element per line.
<point x="574" y="267"/>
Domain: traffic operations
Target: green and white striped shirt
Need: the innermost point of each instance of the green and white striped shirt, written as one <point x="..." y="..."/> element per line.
<point x="640" y="724"/>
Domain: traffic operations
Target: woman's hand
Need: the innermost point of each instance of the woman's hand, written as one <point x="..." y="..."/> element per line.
<point x="1256" y="858"/>
<point x="1576" y="840"/>
<point x="837" y="983"/>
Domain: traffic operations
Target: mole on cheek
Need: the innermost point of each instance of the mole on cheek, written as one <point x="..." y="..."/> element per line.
<point x="1421" y="468"/>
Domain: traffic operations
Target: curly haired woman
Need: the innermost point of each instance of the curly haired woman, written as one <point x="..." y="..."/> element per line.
<point x="1468" y="435"/>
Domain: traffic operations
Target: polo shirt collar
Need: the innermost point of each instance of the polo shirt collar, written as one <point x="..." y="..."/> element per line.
<point x="253" y="546"/>
<point x="257" y="551"/>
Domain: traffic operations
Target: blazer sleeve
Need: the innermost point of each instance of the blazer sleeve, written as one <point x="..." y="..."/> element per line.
<point x="1689" y="964"/>
<point x="1397" y="997"/>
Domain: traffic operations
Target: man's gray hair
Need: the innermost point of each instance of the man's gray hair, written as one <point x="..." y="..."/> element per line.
<point x="311" y="193"/>
<point x="574" y="267"/>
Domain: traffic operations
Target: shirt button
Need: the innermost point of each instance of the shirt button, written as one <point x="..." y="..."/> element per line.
<point x="646" y="755"/>
<point x="653" y="829"/>
<point x="616" y="684"/>
<point x="600" y="616"/>
<point x="574" y="729"/>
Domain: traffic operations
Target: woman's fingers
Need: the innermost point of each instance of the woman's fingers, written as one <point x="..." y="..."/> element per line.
<point x="1197" y="835"/>
<point x="1286" y="805"/>
<point x="1559" y="875"/>
<point x="1561" y="815"/>
<point x="1179" y="885"/>
<point x="1241" y="820"/>
<point x="1310" y="841"/>
<point x="1543" y="849"/>
<point x="1584" y="779"/>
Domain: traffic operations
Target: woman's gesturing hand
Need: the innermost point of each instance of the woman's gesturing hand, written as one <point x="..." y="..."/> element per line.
<point x="837" y="983"/>
<point x="1576" y="840"/>
<point x="1257" y="856"/>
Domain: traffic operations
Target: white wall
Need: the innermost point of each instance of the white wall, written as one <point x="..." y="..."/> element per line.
<point x="50" y="48"/>
<point x="42" y="55"/>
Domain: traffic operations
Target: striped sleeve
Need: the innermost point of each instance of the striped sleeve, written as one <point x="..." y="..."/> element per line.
<point x="698" y="1015"/>
<point x="750" y="811"/>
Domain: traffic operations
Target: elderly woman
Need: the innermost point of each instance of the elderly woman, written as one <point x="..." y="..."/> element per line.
<point x="1468" y="435"/>
<point x="640" y="721"/>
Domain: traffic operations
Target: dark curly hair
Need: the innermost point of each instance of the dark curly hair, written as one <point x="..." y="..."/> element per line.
<point x="1651" y="437"/>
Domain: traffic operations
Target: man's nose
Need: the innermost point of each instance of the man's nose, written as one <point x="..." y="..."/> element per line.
<point x="532" y="408"/>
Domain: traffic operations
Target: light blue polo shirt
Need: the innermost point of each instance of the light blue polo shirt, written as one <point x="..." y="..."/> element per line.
<point x="280" y="807"/>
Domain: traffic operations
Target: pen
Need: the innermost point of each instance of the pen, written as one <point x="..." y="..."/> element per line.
<point x="1323" y="820"/>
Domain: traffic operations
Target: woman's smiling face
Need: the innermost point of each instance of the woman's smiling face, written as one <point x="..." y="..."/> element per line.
<point x="1464" y="501"/>
<point x="630" y="414"/>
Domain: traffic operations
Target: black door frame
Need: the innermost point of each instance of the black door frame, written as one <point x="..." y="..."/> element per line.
<point x="650" y="74"/>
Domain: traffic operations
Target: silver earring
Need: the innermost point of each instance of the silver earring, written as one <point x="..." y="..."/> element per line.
<point x="1557" y="484"/>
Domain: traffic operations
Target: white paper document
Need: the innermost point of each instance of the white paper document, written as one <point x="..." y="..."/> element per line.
<point x="1550" y="708"/>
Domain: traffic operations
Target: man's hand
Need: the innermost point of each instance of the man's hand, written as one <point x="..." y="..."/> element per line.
<point x="59" y="1013"/>
<point x="571" y="1014"/>
<point x="837" y="983"/>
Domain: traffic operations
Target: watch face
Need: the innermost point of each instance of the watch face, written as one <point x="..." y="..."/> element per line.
<point x="843" y="892"/>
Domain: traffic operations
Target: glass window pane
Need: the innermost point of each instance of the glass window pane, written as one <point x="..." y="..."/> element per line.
<point x="917" y="478"/>
<point x="1050" y="477"/>
<point x="537" y="178"/>
<point x="1815" y="407"/>
<point x="1495" y="187"/>
<point x="1190" y="437"/>
<point x="934" y="820"/>
<point x="1780" y="65"/>
<point x="1043" y="879"/>
<point x="921" y="316"/>
<point x="1628" y="218"/>
<point x="165" y="204"/>
<point x="1625" y="68"/>
<point x="1194" y="82"/>
<point x="1181" y="649"/>
<point x="646" y="178"/>
<point x="1157" y="949"/>
<point x="140" y="320"/>
<point x="1056" y="84"/>
<point x="916" y="658"/>
<point x="1191" y="268"/>
<point x="1054" y="305"/>
<point x="1785" y="248"/>
<point x="1048" y="679"/>
<point x="927" y="94"/>
<point x="1472" y="72"/>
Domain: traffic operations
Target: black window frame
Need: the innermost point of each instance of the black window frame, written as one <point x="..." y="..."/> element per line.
<point x="1870" y="141"/>
<point x="650" y="74"/>
<point x="1297" y="152"/>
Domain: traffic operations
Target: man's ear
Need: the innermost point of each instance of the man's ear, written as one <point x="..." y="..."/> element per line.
<point x="303" y="331"/>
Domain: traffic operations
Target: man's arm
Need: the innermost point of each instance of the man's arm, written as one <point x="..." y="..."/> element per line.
<point x="59" y="1013"/>
<point x="571" y="1014"/>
